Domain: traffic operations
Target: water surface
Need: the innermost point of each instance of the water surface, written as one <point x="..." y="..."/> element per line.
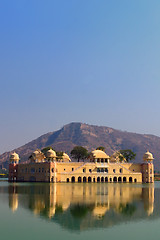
<point x="79" y="211"/>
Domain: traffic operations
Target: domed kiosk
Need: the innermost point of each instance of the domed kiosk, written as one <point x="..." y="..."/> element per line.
<point x="14" y="158"/>
<point x="148" y="156"/>
<point x="51" y="155"/>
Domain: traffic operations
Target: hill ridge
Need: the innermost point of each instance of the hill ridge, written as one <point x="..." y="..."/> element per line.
<point x="90" y="136"/>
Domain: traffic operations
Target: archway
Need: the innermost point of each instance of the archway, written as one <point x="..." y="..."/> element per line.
<point x="98" y="179"/>
<point x="115" y="179"/>
<point x="89" y="179"/>
<point x="106" y="179"/>
<point x="73" y="179"/>
<point x="84" y="179"/>
<point x="135" y="180"/>
<point x="130" y="179"/>
<point x="124" y="179"/>
<point x="102" y="179"/>
<point x="67" y="179"/>
<point x="119" y="179"/>
<point x="79" y="179"/>
<point x="110" y="179"/>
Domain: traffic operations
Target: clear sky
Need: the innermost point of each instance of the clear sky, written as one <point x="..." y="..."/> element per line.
<point x="91" y="61"/>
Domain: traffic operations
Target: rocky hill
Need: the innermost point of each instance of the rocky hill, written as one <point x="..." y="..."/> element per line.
<point x="91" y="137"/>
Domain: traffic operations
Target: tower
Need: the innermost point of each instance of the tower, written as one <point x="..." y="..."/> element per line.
<point x="148" y="168"/>
<point x="13" y="167"/>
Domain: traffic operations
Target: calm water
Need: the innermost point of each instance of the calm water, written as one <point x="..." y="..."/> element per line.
<point x="79" y="211"/>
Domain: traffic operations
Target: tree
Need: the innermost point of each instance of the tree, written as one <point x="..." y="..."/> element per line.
<point x="44" y="150"/>
<point x="79" y="152"/>
<point x="100" y="148"/>
<point x="59" y="154"/>
<point x="128" y="154"/>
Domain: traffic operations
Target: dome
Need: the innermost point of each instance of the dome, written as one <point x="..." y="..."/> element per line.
<point x="51" y="154"/>
<point x="36" y="152"/>
<point x="148" y="156"/>
<point x="99" y="154"/>
<point x="66" y="157"/>
<point x="14" y="156"/>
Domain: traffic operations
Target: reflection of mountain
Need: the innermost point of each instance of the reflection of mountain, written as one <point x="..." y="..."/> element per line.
<point x="83" y="206"/>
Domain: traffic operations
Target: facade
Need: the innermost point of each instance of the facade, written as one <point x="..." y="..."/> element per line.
<point x="99" y="168"/>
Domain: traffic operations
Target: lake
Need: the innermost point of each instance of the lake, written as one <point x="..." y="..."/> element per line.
<point x="79" y="211"/>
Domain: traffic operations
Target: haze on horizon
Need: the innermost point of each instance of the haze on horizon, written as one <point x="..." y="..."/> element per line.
<point x="95" y="62"/>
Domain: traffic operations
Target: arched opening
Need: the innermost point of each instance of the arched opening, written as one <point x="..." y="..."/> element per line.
<point x="84" y="179"/>
<point x="98" y="179"/>
<point x="124" y="179"/>
<point x="130" y="179"/>
<point x="115" y="179"/>
<point x="119" y="179"/>
<point x="135" y="180"/>
<point x="106" y="179"/>
<point x="73" y="179"/>
<point x="89" y="179"/>
<point x="94" y="180"/>
<point x="67" y="179"/>
<point x="102" y="179"/>
<point x="79" y="179"/>
<point x="110" y="179"/>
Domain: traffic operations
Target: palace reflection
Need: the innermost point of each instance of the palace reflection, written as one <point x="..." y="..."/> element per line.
<point x="82" y="206"/>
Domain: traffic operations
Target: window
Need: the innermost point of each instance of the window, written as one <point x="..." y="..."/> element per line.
<point x="42" y="169"/>
<point x="114" y="170"/>
<point x="90" y="170"/>
<point x="150" y="171"/>
<point x="39" y="170"/>
<point x="26" y="170"/>
<point x="98" y="170"/>
<point x="102" y="169"/>
<point x="120" y="170"/>
<point x="84" y="170"/>
<point x="72" y="169"/>
<point x="52" y="169"/>
<point x="32" y="170"/>
<point x="106" y="170"/>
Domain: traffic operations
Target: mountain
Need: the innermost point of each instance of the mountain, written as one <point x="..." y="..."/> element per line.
<point x="90" y="137"/>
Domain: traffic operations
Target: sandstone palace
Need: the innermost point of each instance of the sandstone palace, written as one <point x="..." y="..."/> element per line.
<point x="98" y="168"/>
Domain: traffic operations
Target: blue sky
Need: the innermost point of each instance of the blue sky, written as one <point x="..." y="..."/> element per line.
<point x="91" y="61"/>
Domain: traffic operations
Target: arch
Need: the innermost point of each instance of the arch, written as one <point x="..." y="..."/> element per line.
<point x="130" y="179"/>
<point x="110" y="179"/>
<point x="73" y="179"/>
<point x="84" y="179"/>
<point x="79" y="179"/>
<point x="115" y="179"/>
<point x="124" y="179"/>
<point x="102" y="179"/>
<point x="89" y="179"/>
<point x="135" y="180"/>
<point x="119" y="179"/>
<point x="106" y="179"/>
<point x="98" y="179"/>
<point x="67" y="179"/>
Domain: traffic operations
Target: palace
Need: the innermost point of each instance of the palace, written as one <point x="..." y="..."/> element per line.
<point x="98" y="168"/>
